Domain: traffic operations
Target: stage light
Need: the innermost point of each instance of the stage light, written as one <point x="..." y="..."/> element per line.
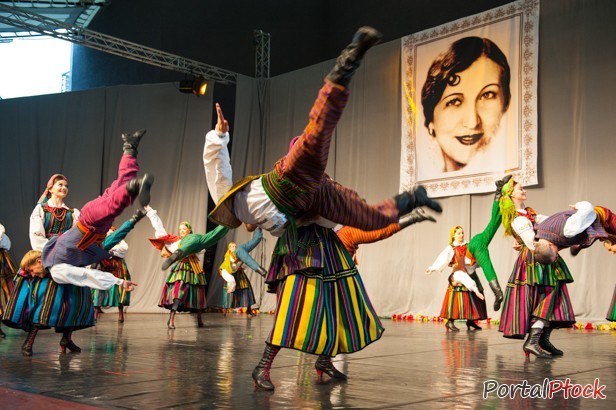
<point x="197" y="86"/>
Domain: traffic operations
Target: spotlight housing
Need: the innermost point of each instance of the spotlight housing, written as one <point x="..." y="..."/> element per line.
<point x="196" y="86"/>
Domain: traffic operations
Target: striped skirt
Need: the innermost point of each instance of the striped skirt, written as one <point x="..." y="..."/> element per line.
<point x="611" y="313"/>
<point x="243" y="296"/>
<point x="64" y="307"/>
<point x="16" y="312"/>
<point x="460" y="303"/>
<point x="536" y="291"/>
<point x="322" y="305"/>
<point x="117" y="295"/>
<point x="187" y="284"/>
<point x="7" y="273"/>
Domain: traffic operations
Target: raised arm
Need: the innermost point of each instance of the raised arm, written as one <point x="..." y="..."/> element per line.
<point x="216" y="159"/>
<point x="577" y="223"/>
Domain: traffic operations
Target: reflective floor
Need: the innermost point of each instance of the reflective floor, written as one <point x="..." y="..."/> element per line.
<point x="141" y="365"/>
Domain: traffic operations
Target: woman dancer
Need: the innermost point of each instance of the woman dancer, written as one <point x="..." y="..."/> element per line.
<point x="460" y="302"/>
<point x="238" y="292"/>
<point x="7" y="272"/>
<point x="536" y="298"/>
<point x="28" y="307"/>
<point x="184" y="288"/>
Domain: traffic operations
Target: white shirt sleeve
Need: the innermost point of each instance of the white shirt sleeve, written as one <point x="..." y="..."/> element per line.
<point x="580" y="220"/>
<point x="84" y="277"/>
<point x="5" y="242"/>
<point x="217" y="164"/>
<point x="38" y="239"/>
<point x="524" y="228"/>
<point x="227" y="276"/>
<point x="157" y="224"/>
<point x="442" y="260"/>
<point x="120" y="249"/>
<point x="466" y="280"/>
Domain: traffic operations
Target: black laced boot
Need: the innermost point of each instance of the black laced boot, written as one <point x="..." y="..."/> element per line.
<point x="26" y="348"/>
<point x="498" y="293"/>
<point x="174" y="257"/>
<point x="531" y="345"/>
<point x="545" y="344"/>
<point x="140" y="189"/>
<point x="499" y="186"/>
<point x="131" y="142"/>
<point x="416" y="216"/>
<point x="350" y="58"/>
<point x="409" y="200"/>
<point x="324" y="365"/>
<point x="137" y="216"/>
<point x="67" y="343"/>
<point x="261" y="373"/>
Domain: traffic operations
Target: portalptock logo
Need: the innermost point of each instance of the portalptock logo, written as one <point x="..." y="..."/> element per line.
<point x="547" y="390"/>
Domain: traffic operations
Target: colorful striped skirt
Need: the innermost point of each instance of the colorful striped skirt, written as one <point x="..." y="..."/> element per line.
<point x="536" y="291"/>
<point x="186" y="282"/>
<point x="322" y="305"/>
<point x="243" y="296"/>
<point x="16" y="312"/>
<point x="7" y="274"/>
<point x="64" y="307"/>
<point x="117" y="295"/>
<point x="611" y="313"/>
<point x="460" y="303"/>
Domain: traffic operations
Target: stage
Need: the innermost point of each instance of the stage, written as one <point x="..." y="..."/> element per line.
<point x="140" y="364"/>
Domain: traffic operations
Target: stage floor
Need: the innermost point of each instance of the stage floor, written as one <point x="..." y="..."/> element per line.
<point x="141" y="365"/>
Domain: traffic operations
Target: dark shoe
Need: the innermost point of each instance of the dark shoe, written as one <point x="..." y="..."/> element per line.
<point x="261" y="373"/>
<point x="67" y="343"/>
<point x="26" y="348"/>
<point x="324" y="365"/>
<point x="137" y="216"/>
<point x="575" y="249"/>
<point x="140" y="189"/>
<point x="171" y="321"/>
<point x="409" y="200"/>
<point x="451" y="326"/>
<point x="174" y="257"/>
<point x="498" y="293"/>
<point x="350" y="58"/>
<point x="499" y="186"/>
<point x="262" y="271"/>
<point x="416" y="216"/>
<point x="131" y="142"/>
<point x="545" y="344"/>
<point x="531" y="345"/>
<point x="472" y="324"/>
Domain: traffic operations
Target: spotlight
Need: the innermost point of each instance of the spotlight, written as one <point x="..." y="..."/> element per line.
<point x="197" y="86"/>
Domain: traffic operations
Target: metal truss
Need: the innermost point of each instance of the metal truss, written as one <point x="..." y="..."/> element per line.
<point x="262" y="54"/>
<point x="17" y="17"/>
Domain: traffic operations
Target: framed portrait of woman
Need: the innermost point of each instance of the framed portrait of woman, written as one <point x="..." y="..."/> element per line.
<point x="469" y="102"/>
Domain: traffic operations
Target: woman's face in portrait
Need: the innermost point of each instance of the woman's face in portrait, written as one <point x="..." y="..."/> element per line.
<point x="468" y="115"/>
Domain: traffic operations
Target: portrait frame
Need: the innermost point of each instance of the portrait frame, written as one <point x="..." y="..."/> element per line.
<point x="513" y="147"/>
